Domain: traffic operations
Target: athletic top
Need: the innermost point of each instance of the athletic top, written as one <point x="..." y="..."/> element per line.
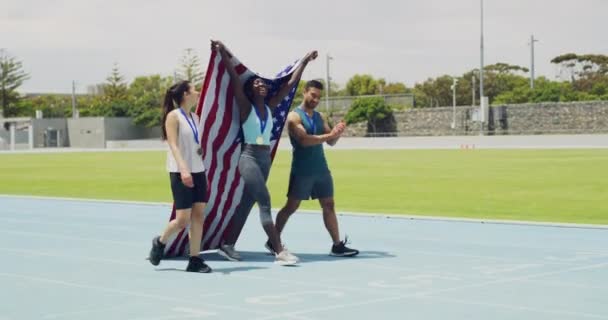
<point x="186" y="144"/>
<point x="254" y="128"/>
<point x="309" y="160"/>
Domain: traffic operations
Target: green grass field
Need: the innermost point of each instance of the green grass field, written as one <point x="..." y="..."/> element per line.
<point x="535" y="185"/>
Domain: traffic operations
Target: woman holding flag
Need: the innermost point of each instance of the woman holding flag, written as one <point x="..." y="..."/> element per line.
<point x="181" y="129"/>
<point x="255" y="109"/>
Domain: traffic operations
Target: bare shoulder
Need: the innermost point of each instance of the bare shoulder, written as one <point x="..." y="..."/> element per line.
<point x="173" y="114"/>
<point x="293" y="117"/>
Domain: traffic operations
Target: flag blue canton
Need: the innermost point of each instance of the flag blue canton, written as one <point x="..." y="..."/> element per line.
<point x="280" y="113"/>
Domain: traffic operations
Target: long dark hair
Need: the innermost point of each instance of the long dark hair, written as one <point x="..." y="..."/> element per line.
<point x="173" y="98"/>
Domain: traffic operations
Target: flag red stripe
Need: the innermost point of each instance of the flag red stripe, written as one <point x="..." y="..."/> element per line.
<point x="216" y="144"/>
<point x="212" y="113"/>
<point x="230" y="198"/>
<point x="211" y="117"/>
<point x="201" y="100"/>
<point x="240" y="69"/>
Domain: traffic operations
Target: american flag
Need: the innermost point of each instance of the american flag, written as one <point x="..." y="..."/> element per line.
<point x="221" y="143"/>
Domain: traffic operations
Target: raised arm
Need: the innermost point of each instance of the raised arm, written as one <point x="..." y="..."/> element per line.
<point x="297" y="130"/>
<point x="293" y="81"/>
<point x="241" y="99"/>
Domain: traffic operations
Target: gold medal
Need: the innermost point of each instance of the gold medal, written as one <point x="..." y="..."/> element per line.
<point x="259" y="140"/>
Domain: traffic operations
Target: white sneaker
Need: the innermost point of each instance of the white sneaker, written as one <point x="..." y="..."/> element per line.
<point x="227" y="251"/>
<point x="286" y="258"/>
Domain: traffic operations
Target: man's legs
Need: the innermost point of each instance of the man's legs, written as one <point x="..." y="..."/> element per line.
<point x="330" y="219"/>
<point x="288" y="209"/>
<point x="324" y="190"/>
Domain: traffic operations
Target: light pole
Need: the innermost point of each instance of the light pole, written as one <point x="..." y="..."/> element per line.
<point x="74" y="111"/>
<point x="532" y="40"/>
<point x="2" y="53"/>
<point x="481" y="96"/>
<point x="454" y="82"/>
<point x="327" y="82"/>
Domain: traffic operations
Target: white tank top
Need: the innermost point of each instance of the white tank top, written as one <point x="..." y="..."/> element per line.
<point x="186" y="145"/>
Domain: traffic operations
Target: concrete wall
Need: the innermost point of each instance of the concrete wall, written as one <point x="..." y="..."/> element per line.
<point x="42" y="125"/>
<point x="20" y="136"/>
<point x="87" y="132"/>
<point x="577" y="117"/>
<point x="542" y="118"/>
<point x="92" y="132"/>
<point x="124" y="129"/>
<point x="96" y="132"/>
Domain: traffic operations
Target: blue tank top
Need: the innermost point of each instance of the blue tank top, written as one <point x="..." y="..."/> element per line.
<point x="252" y="128"/>
<point x="308" y="160"/>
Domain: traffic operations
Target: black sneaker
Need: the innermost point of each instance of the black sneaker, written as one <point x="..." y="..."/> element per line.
<point x="270" y="249"/>
<point x="157" y="251"/>
<point x="341" y="250"/>
<point x="196" y="264"/>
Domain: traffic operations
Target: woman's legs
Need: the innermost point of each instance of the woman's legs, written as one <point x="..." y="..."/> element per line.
<point x="182" y="218"/>
<point x="196" y="228"/>
<point x="255" y="185"/>
<point x="185" y="197"/>
<point x="181" y="221"/>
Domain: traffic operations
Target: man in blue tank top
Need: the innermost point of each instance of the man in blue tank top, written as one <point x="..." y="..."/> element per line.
<point x="310" y="176"/>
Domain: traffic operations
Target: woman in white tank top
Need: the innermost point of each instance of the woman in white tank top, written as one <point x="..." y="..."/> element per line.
<point x="181" y="129"/>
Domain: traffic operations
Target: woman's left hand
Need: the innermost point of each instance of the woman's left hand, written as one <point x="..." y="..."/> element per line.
<point x="312" y="56"/>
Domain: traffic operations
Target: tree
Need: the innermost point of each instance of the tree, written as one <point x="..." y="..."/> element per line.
<point x="109" y="99"/>
<point x="146" y="97"/>
<point x="93" y="106"/>
<point x="545" y="90"/>
<point x="503" y="68"/>
<point x="588" y="73"/>
<point x="190" y="68"/>
<point x="362" y="84"/>
<point x="580" y="66"/>
<point x="394" y="88"/>
<point x="502" y="78"/>
<point x="375" y="111"/>
<point x="297" y="99"/>
<point x="115" y="88"/>
<point x="113" y="103"/>
<point x="12" y="77"/>
<point x="434" y="92"/>
<point x="498" y="78"/>
<point x="52" y="106"/>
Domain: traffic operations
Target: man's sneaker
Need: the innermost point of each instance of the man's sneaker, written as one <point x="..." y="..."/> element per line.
<point x="196" y="264"/>
<point x="157" y="251"/>
<point x="270" y="249"/>
<point x="227" y="251"/>
<point x="341" y="250"/>
<point x="286" y="258"/>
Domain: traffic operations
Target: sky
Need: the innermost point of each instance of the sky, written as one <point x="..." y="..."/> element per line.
<point x="60" y="41"/>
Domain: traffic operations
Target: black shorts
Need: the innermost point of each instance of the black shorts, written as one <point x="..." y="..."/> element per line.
<point x="183" y="196"/>
<point x="306" y="187"/>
